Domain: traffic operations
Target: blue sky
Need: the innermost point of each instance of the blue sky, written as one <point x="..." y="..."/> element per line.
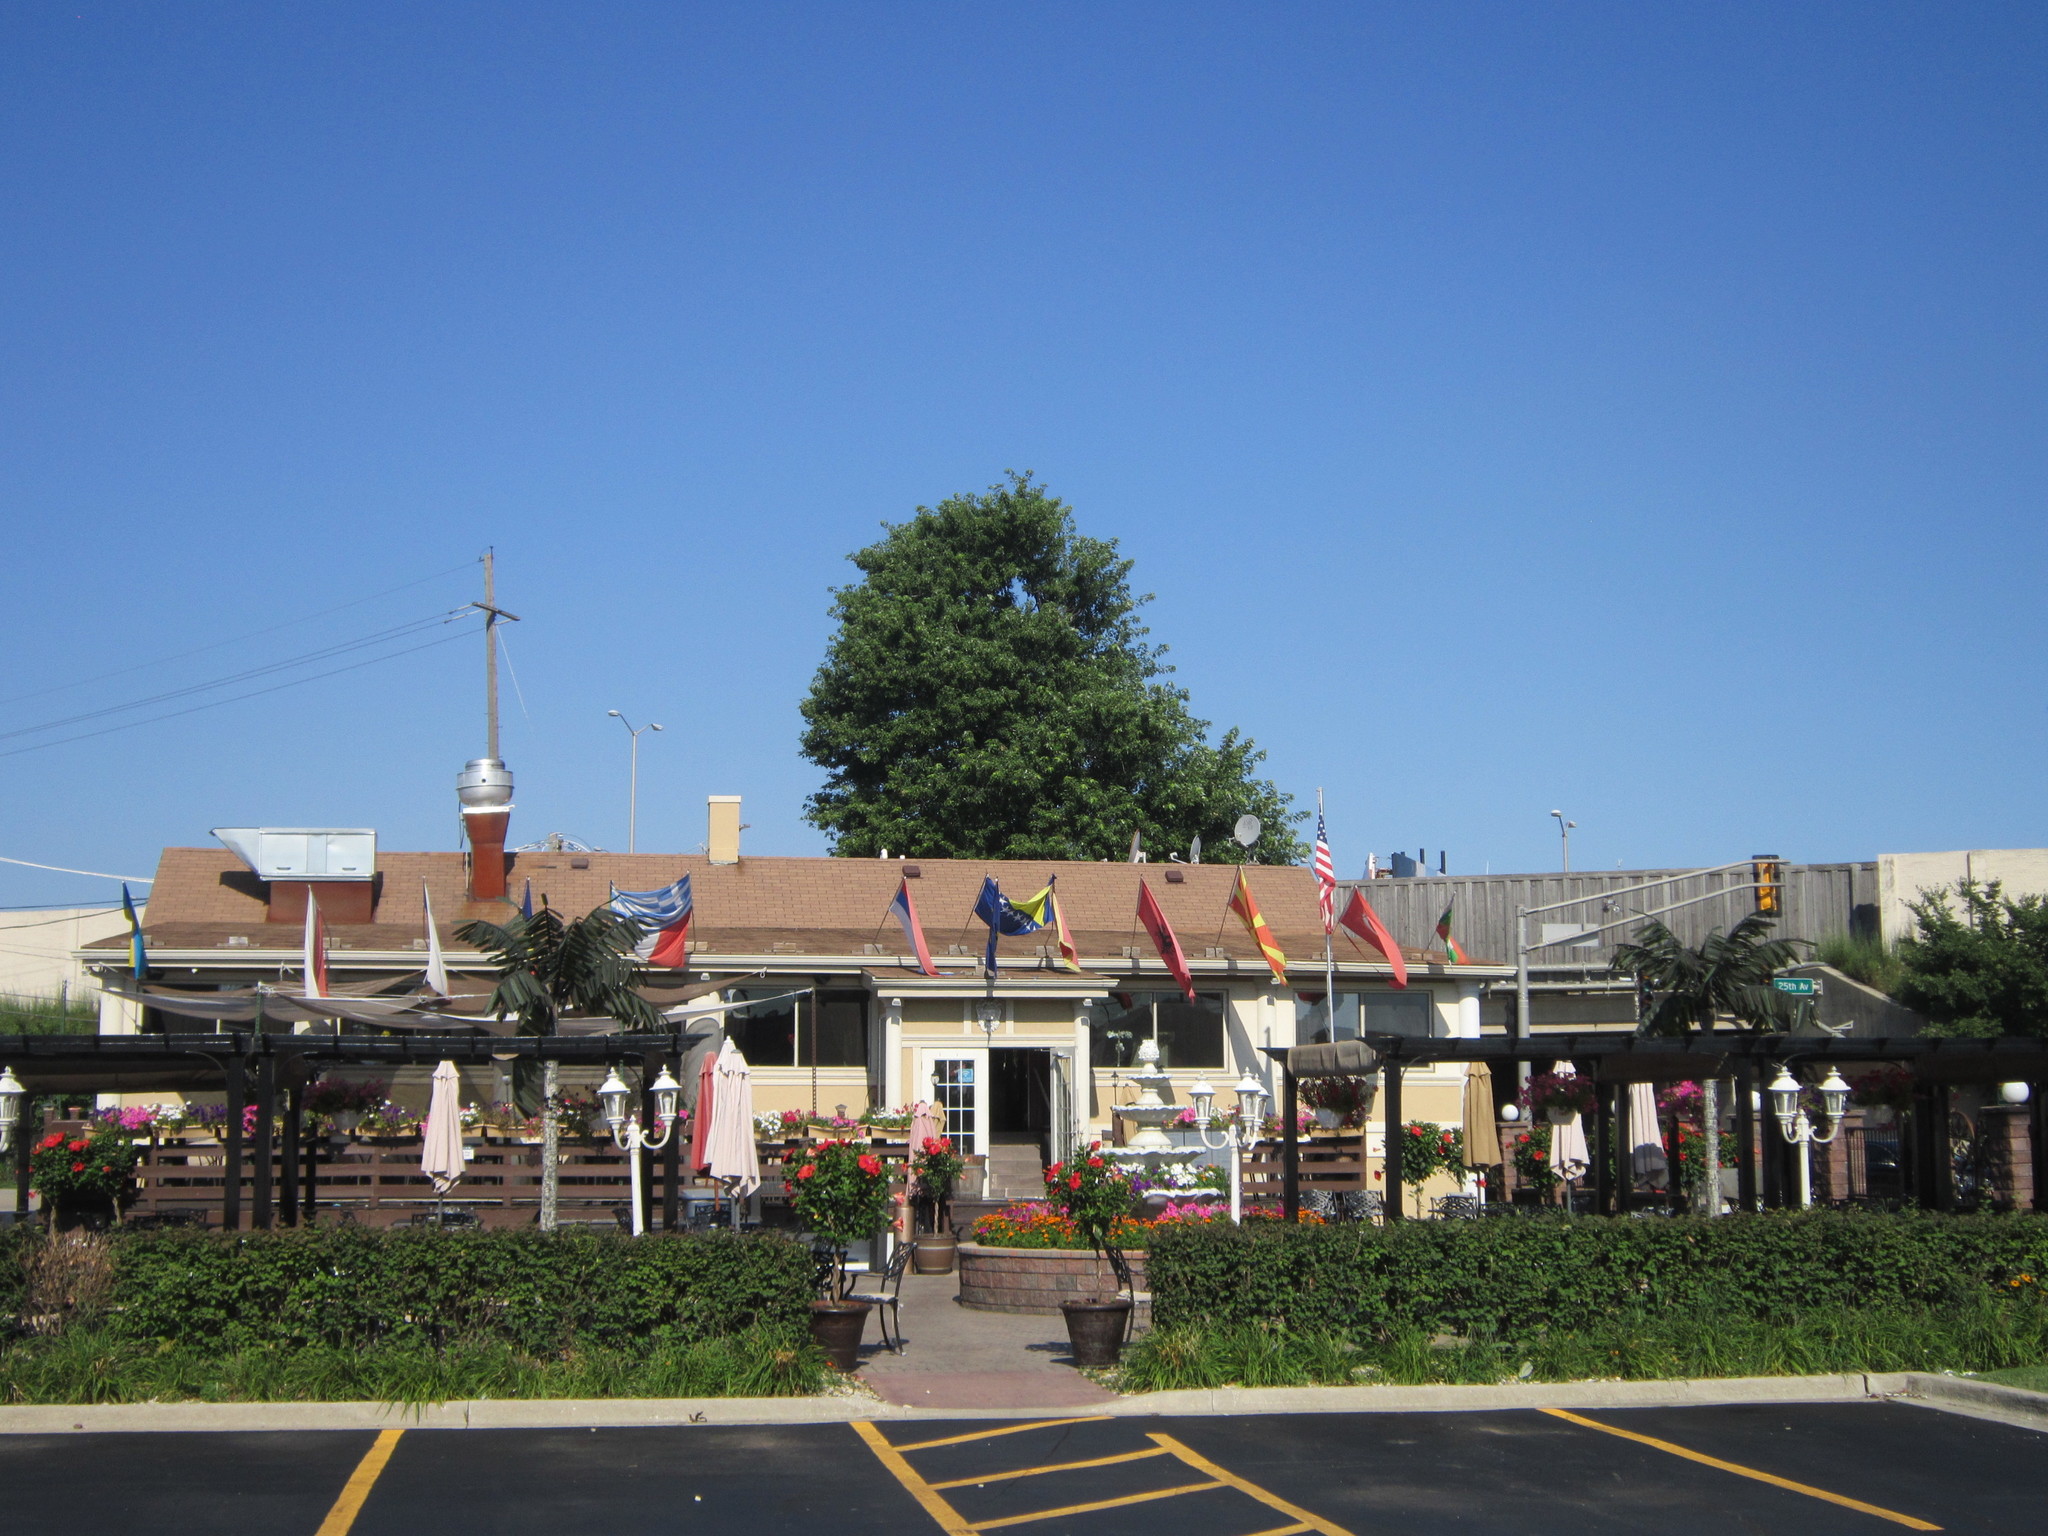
<point x="1630" y="409"/>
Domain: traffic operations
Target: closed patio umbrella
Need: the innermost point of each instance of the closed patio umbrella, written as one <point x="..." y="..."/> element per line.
<point x="703" y="1109"/>
<point x="441" y="1147"/>
<point x="1647" y="1162"/>
<point x="1482" y="1131"/>
<point x="1568" y="1154"/>
<point x="734" y="1158"/>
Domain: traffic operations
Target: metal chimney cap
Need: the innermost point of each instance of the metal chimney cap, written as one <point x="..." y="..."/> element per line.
<point x="485" y="784"/>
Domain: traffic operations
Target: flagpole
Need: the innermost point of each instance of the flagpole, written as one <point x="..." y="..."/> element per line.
<point x="1329" y="953"/>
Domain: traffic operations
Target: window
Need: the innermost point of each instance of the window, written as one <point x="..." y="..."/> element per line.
<point x="766" y="1032"/>
<point x="842" y="1029"/>
<point x="786" y="1031"/>
<point x="1385" y="1014"/>
<point x="1190" y="1034"/>
<point x="1312" y="1018"/>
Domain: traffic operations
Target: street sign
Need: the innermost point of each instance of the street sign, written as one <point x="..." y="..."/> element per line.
<point x="1798" y="986"/>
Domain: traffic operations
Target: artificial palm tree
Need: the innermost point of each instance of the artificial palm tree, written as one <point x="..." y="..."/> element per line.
<point x="1688" y="989"/>
<point x="548" y="969"/>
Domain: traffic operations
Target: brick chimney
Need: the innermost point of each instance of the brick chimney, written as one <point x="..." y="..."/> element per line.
<point x="485" y="789"/>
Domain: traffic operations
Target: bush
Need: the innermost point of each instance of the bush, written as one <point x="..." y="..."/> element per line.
<point x="1518" y="1277"/>
<point x="541" y="1294"/>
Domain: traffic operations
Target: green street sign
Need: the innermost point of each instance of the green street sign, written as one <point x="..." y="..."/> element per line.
<point x="1798" y="986"/>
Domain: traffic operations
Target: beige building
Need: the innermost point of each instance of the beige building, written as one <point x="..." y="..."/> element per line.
<point x="40" y="949"/>
<point x="1903" y="878"/>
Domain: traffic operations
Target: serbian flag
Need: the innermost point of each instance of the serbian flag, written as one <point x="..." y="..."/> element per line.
<point x="138" y="952"/>
<point x="1359" y="918"/>
<point x="1246" y="906"/>
<point x="904" y="910"/>
<point x="1443" y="933"/>
<point x="664" y="919"/>
<point x="1044" y="909"/>
<point x="1162" y="938"/>
<point x="316" y="949"/>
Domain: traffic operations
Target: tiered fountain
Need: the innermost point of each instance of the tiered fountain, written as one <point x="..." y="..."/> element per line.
<point x="1150" y="1146"/>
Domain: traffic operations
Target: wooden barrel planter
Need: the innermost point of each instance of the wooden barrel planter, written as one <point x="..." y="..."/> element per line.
<point x="1037" y="1280"/>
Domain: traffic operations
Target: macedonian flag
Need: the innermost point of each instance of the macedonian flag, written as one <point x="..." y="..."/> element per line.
<point x="1246" y="907"/>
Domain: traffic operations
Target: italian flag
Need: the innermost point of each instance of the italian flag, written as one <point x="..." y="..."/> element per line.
<point x="1443" y="933"/>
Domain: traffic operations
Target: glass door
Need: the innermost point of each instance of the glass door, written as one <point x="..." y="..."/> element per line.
<point x="959" y="1086"/>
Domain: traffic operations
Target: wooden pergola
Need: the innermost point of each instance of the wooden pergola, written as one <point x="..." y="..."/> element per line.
<point x="1615" y="1061"/>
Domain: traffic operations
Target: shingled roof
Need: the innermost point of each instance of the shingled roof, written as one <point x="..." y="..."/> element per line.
<point x="760" y="906"/>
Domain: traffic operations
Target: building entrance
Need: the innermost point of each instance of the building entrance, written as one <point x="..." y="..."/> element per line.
<point x="1020" y="1120"/>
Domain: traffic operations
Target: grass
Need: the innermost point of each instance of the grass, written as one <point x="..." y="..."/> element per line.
<point x="2033" y="1378"/>
<point x="1991" y="1335"/>
<point x="87" y="1366"/>
<point x="1863" y="959"/>
<point x="54" y="1015"/>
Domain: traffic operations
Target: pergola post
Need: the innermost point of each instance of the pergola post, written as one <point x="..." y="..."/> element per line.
<point x="1290" y="1145"/>
<point x="1603" y="1150"/>
<point x="231" y="1152"/>
<point x="1745" y="1138"/>
<point x="2037" y="1144"/>
<point x="1390" y="1158"/>
<point x="1624" y="1149"/>
<point x="264" y="1207"/>
<point x="288" y="1156"/>
<point x="24" y="1144"/>
<point x="672" y="1171"/>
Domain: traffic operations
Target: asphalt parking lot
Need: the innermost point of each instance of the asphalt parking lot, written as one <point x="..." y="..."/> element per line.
<point x="1809" y="1470"/>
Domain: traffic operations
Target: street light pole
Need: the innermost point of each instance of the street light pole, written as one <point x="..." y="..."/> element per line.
<point x="1798" y="1129"/>
<point x="629" y="1135"/>
<point x="633" y="792"/>
<point x="1564" y="830"/>
<point x="1251" y="1097"/>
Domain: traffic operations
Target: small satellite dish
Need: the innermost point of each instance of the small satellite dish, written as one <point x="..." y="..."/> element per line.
<point x="1247" y="830"/>
<point x="1195" y="849"/>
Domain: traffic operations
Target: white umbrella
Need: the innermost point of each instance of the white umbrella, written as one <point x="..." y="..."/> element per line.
<point x="1568" y="1154"/>
<point x="441" y="1151"/>
<point x="1646" y="1155"/>
<point x="733" y="1156"/>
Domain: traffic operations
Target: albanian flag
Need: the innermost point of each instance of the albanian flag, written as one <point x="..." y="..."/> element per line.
<point x="1359" y="918"/>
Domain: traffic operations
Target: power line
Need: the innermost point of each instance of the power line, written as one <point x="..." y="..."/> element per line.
<point x="61" y="870"/>
<point x="254" y="634"/>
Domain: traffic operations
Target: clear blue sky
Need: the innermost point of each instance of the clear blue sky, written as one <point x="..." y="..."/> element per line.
<point x="1630" y="409"/>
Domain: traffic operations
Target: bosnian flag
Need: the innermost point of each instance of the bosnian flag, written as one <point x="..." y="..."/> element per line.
<point x="904" y="910"/>
<point x="664" y="919"/>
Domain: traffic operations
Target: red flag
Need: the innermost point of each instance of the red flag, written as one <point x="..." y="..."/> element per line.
<point x="1162" y="937"/>
<point x="1359" y="918"/>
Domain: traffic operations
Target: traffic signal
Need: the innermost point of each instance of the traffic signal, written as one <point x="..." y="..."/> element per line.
<point x="1766" y="870"/>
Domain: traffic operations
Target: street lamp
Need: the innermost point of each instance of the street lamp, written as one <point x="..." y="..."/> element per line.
<point x="1564" y="830"/>
<point x="1800" y="1131"/>
<point x="633" y="795"/>
<point x="627" y="1132"/>
<point x="1251" y="1098"/>
<point x="11" y="1095"/>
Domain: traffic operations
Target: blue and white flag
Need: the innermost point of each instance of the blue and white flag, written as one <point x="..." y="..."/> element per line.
<point x="664" y="919"/>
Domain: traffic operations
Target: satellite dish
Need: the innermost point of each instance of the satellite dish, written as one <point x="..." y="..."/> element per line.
<point x="1247" y="830"/>
<point x="1195" y="849"/>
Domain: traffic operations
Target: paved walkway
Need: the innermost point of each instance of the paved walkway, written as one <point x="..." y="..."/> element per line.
<point x="955" y="1358"/>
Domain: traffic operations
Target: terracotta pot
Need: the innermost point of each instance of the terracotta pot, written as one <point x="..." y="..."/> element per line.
<point x="933" y="1254"/>
<point x="1096" y="1329"/>
<point x="836" y="1326"/>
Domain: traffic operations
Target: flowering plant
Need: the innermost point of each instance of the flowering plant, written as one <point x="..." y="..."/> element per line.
<point x="1092" y="1192"/>
<point x="839" y="1191"/>
<point x="1181" y="1178"/>
<point x="1565" y="1092"/>
<point x="1188" y="1120"/>
<point x="937" y="1168"/>
<point x="1348" y="1098"/>
<point x="337" y="1096"/>
<point x="96" y="1164"/>
<point x="1425" y="1148"/>
<point x="1886" y="1087"/>
<point x="137" y="1117"/>
<point x="886" y="1119"/>
<point x="1034" y="1224"/>
<point x="1531" y="1151"/>
<point x="214" y="1118"/>
<point x="1687" y="1145"/>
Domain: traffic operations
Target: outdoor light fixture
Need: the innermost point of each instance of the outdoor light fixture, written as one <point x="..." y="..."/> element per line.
<point x="990" y="1016"/>
<point x="2012" y="1093"/>
<point x="1796" y="1128"/>
<point x="1251" y="1098"/>
<point x="11" y="1095"/>
<point x="627" y="1132"/>
<point x="1511" y="1112"/>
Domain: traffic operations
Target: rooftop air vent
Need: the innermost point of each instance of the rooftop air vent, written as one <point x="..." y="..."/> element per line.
<point x="304" y="853"/>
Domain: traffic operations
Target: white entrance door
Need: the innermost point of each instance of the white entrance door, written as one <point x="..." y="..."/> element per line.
<point x="959" y="1086"/>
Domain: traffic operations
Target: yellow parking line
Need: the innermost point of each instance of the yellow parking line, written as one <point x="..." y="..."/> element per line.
<point x="1270" y="1500"/>
<point x="1086" y="1509"/>
<point x="1284" y="1530"/>
<point x="1008" y="1429"/>
<point x="343" y="1516"/>
<point x="950" y="1519"/>
<point x="1741" y="1471"/>
<point x="1058" y="1466"/>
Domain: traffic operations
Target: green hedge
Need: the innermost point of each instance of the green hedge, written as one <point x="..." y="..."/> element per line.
<point x="538" y="1293"/>
<point x="1515" y="1277"/>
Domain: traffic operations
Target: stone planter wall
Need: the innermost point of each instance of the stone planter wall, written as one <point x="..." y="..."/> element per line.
<point x="1039" y="1279"/>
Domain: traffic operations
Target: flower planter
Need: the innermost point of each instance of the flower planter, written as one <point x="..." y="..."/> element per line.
<point x="934" y="1253"/>
<point x="1095" y="1330"/>
<point x="836" y="1326"/>
<point x="1039" y="1280"/>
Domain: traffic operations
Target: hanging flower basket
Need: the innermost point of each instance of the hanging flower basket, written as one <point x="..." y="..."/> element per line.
<point x="1559" y="1096"/>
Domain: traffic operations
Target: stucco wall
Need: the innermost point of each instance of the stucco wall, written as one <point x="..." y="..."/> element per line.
<point x="1901" y="877"/>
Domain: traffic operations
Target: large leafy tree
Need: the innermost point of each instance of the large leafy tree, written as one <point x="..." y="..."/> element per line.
<point x="548" y="969"/>
<point x="990" y="694"/>
<point x="1982" y="970"/>
<point x="1688" y="989"/>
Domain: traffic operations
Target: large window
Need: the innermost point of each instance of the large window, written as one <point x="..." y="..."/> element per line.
<point x="1384" y="1014"/>
<point x="822" y="1028"/>
<point x="1190" y="1035"/>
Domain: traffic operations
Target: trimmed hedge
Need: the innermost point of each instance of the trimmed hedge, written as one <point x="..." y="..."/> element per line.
<point x="539" y="1293"/>
<point x="1514" y="1277"/>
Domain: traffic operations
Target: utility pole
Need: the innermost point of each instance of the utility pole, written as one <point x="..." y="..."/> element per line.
<point x="1564" y="830"/>
<point x="633" y="787"/>
<point x="492" y="614"/>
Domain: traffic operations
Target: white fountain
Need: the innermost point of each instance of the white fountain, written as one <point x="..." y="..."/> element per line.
<point x="1150" y="1146"/>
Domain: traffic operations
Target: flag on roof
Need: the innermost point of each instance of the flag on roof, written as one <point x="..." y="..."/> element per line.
<point x="1326" y="868"/>
<point x="316" y="948"/>
<point x="904" y="910"/>
<point x="1044" y="909"/>
<point x="1443" y="932"/>
<point x="664" y="919"/>
<point x="138" y="954"/>
<point x="1163" y="940"/>
<point x="526" y="903"/>
<point x="437" y="963"/>
<point x="1002" y="917"/>
<point x="1359" y="918"/>
<point x="1246" y="906"/>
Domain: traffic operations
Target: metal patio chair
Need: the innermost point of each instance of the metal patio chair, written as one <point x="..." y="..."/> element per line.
<point x="887" y="1297"/>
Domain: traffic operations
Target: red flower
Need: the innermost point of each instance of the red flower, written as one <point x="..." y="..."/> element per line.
<point x="79" y="1146"/>
<point x="1414" y="1130"/>
<point x="1073" y="1181"/>
<point x="54" y="1139"/>
<point x="808" y="1170"/>
<point x="78" y="1167"/>
<point x="1052" y="1174"/>
<point x="1094" y="1162"/>
<point x="870" y="1164"/>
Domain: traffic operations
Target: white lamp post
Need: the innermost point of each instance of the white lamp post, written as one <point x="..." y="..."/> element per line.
<point x="11" y="1095"/>
<point x="627" y="1132"/>
<point x="1251" y="1098"/>
<point x="1800" y="1131"/>
<point x="633" y="792"/>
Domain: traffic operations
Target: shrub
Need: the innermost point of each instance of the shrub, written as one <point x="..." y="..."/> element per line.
<point x="1517" y="1276"/>
<point x="1093" y="1193"/>
<point x="98" y="1164"/>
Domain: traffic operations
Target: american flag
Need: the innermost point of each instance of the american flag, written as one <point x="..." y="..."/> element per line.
<point x="1326" y="870"/>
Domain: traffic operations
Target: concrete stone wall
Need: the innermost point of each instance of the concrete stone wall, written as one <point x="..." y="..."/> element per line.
<point x="1039" y="1279"/>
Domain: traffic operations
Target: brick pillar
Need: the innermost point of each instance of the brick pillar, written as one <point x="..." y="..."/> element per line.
<point x="2012" y="1148"/>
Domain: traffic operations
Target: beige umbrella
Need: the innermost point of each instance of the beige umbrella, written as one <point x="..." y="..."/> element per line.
<point x="1568" y="1154"/>
<point x="441" y="1149"/>
<point x="1646" y="1154"/>
<point x="733" y="1155"/>
<point x="1482" y="1131"/>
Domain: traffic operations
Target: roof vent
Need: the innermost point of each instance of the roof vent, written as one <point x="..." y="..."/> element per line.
<point x="1175" y="876"/>
<point x="912" y="871"/>
<point x="304" y="853"/>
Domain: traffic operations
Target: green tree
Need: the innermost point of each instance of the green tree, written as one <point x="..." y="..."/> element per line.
<point x="1980" y="971"/>
<point x="989" y="694"/>
<point x="1689" y="989"/>
<point x="548" y="968"/>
